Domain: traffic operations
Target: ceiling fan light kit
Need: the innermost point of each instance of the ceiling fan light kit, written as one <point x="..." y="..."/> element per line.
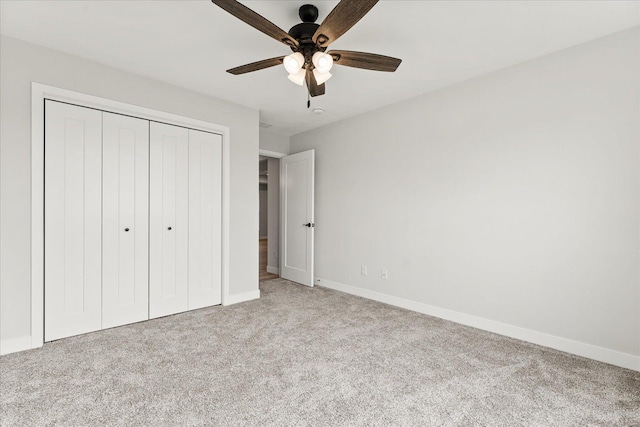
<point x="298" y="78"/>
<point x="322" y="61"/>
<point x="293" y="63"/>
<point x="309" y="62"/>
<point x="320" y="76"/>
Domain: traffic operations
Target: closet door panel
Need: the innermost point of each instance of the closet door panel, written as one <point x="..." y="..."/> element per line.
<point x="205" y="193"/>
<point x="73" y="158"/>
<point x="125" y="285"/>
<point x="168" y="220"/>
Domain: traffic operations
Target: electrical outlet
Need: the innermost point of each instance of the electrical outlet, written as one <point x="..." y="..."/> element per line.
<point x="363" y="270"/>
<point x="385" y="274"/>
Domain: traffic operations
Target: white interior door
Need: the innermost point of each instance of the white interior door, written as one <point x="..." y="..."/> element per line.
<point x="125" y="223"/>
<point x="296" y="213"/>
<point x="168" y="219"/>
<point x="205" y="219"/>
<point x="73" y="221"/>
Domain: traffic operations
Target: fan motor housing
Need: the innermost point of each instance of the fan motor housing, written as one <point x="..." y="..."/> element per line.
<point x="303" y="32"/>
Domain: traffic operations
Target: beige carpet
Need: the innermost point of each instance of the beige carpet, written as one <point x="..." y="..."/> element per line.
<point x="309" y="356"/>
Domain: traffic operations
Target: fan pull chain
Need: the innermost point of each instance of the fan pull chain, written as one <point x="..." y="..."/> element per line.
<point x="308" y="100"/>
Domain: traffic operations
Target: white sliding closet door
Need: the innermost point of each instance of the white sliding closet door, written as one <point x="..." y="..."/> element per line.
<point x="72" y="202"/>
<point x="168" y="220"/>
<point x="125" y="216"/>
<point x="205" y="196"/>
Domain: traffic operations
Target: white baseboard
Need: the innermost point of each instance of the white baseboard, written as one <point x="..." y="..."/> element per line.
<point x="14" y="345"/>
<point x="246" y="296"/>
<point x="273" y="270"/>
<point x="578" y="348"/>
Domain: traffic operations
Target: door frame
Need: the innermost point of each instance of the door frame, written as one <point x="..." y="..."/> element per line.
<point x="40" y="92"/>
<point x="274" y="155"/>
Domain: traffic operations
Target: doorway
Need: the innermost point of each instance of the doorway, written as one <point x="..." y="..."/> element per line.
<point x="269" y="208"/>
<point x="286" y="182"/>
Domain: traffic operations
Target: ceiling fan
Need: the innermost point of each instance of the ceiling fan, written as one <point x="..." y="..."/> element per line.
<point x="309" y="63"/>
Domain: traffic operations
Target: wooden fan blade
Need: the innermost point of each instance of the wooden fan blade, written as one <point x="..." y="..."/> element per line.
<point x="255" y="66"/>
<point x="314" y="88"/>
<point x="368" y="61"/>
<point x="257" y="21"/>
<point x="340" y="19"/>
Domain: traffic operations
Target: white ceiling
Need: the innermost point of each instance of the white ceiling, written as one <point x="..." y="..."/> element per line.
<point x="192" y="43"/>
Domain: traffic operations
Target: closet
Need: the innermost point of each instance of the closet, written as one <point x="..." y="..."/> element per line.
<point x="132" y="219"/>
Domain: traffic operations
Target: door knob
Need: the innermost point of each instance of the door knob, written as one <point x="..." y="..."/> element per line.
<point x="126" y="229"/>
<point x="169" y="228"/>
<point x="309" y="224"/>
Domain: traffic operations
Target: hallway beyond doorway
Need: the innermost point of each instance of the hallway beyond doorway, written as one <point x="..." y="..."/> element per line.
<point x="264" y="275"/>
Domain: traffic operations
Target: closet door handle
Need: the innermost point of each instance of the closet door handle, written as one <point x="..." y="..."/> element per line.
<point x="169" y="228"/>
<point x="126" y="229"/>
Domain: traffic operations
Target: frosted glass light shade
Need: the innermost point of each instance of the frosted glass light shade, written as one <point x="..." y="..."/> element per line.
<point x="322" y="62"/>
<point x="293" y="63"/>
<point x="321" y="77"/>
<point x="298" y="78"/>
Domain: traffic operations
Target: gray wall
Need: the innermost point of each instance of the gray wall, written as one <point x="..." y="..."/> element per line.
<point x="20" y="64"/>
<point x="273" y="207"/>
<point x="272" y="141"/>
<point x="512" y="197"/>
